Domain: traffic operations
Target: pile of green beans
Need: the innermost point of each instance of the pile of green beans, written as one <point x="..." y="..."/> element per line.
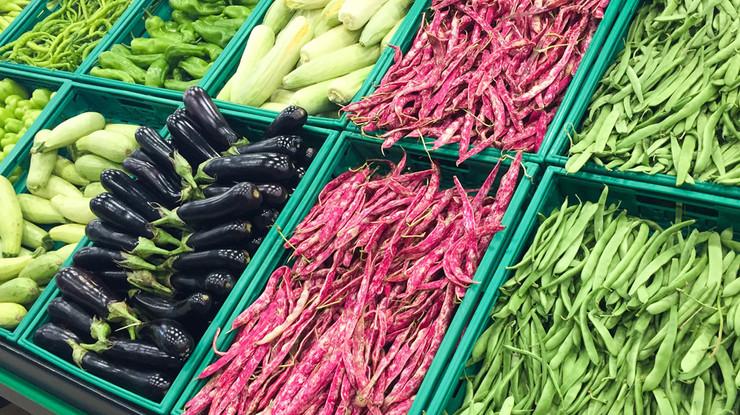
<point x="671" y="102"/>
<point x="67" y="36"/>
<point x="611" y="314"/>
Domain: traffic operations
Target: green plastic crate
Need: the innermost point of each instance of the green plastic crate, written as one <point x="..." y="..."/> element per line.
<point x="31" y="81"/>
<point x="71" y="100"/>
<point x="135" y="28"/>
<point x="649" y="201"/>
<point x="351" y="151"/>
<point x="16" y="22"/>
<point x="40" y="11"/>
<point x="217" y="79"/>
<point x="571" y="94"/>
<point x="558" y="152"/>
<point x="250" y="126"/>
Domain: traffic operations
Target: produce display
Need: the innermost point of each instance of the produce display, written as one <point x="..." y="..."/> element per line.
<point x="611" y="313"/>
<point x="495" y="81"/>
<point x="170" y="242"/>
<point x="18" y="111"/>
<point x="41" y="229"/>
<point x="65" y="37"/>
<point x="671" y="102"/>
<point x="190" y="263"/>
<point x="9" y="10"/>
<point x="176" y="53"/>
<point x="353" y="325"/>
<point x="315" y="54"/>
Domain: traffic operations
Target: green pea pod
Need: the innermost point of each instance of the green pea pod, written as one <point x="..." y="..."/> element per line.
<point x="664" y="355"/>
<point x="157" y="73"/>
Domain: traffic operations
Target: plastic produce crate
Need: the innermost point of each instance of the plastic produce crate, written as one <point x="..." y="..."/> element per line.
<point x="39" y="10"/>
<point x="584" y="68"/>
<point x="558" y="152"/>
<point x="31" y="81"/>
<point x="250" y="126"/>
<point x="351" y="152"/>
<point x="648" y="201"/>
<point x="216" y="79"/>
<point x="70" y="101"/>
<point x="135" y="28"/>
<point x="16" y="22"/>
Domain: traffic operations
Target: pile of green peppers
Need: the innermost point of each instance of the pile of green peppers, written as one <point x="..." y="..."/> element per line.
<point x="18" y="111"/>
<point x="176" y="53"/>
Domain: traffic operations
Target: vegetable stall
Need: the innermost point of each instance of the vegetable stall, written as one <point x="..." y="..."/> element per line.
<point x="370" y="207"/>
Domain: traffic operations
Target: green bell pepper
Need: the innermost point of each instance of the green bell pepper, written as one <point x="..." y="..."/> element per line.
<point x="175" y="53"/>
<point x="112" y="74"/>
<point x="13" y="125"/>
<point x="10" y="87"/>
<point x="180" y="17"/>
<point x="195" y="67"/>
<point x="180" y="85"/>
<point x="219" y="32"/>
<point x="196" y="8"/>
<point x="40" y="97"/>
<point x="157" y="73"/>
<point x="146" y="46"/>
<point x="237" y="12"/>
<point x="155" y="26"/>
<point x="110" y="60"/>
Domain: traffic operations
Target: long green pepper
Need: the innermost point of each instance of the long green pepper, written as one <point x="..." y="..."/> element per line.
<point x="65" y="37"/>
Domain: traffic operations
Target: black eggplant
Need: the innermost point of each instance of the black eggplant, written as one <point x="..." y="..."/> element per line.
<point x="227" y="259"/>
<point x="273" y="195"/>
<point x="229" y="235"/>
<point x="135" y="352"/>
<point x="290" y="145"/>
<point x="218" y="283"/>
<point x="56" y="339"/>
<point x="307" y="157"/>
<point x="237" y="202"/>
<point x="86" y="290"/>
<point x="264" y="219"/>
<point x="68" y="314"/>
<point x="108" y="237"/>
<point x="211" y="122"/>
<point x="300" y="172"/>
<point x="188" y="140"/>
<point x="144" y="280"/>
<point x="163" y="156"/>
<point x="215" y="190"/>
<point x="289" y="121"/>
<point x="115" y="213"/>
<point x="255" y="168"/>
<point x="153" y="180"/>
<point x="95" y="258"/>
<point x="170" y="337"/>
<point x="128" y="191"/>
<point x="141" y="155"/>
<point x="194" y="306"/>
<point x="149" y="384"/>
<point x="253" y="245"/>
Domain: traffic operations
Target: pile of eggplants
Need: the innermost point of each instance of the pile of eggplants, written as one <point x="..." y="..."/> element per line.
<point x="174" y="230"/>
